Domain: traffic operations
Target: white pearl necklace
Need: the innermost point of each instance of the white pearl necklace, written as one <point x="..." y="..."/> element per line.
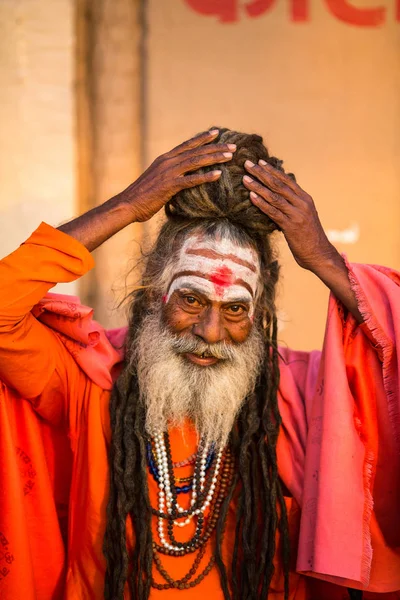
<point x="165" y="496"/>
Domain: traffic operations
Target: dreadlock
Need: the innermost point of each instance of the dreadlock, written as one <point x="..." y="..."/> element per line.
<point x="256" y="485"/>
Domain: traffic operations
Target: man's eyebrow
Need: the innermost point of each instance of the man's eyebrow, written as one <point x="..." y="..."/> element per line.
<point x="205" y="276"/>
<point x="245" y="285"/>
<point x="187" y="286"/>
<point x="238" y="300"/>
<point x="214" y="255"/>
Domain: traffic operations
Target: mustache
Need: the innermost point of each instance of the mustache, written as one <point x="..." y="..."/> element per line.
<point x="193" y="345"/>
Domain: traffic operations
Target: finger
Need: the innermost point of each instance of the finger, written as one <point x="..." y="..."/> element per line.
<point x="200" y="151"/>
<point x="276" y="199"/>
<point x="198" y="140"/>
<point x="273" y="213"/>
<point x="271" y="178"/>
<point x="206" y="160"/>
<point x="276" y="180"/>
<point x="188" y="181"/>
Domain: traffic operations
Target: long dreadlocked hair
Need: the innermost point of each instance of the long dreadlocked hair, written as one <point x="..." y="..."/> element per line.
<point x="256" y="485"/>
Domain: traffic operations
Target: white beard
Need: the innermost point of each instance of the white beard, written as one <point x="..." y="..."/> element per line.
<point x="174" y="389"/>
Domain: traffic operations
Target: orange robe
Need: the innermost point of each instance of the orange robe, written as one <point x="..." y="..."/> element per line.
<point x="35" y="469"/>
<point x="42" y="366"/>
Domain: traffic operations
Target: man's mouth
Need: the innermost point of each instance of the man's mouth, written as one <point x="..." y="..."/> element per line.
<point x="204" y="359"/>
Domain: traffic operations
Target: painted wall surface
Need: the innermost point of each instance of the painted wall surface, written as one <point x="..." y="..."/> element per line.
<point x="37" y="160"/>
<point x="320" y="80"/>
<point x="109" y="140"/>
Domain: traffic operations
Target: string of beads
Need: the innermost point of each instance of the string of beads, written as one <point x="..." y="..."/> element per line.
<point x="213" y="472"/>
<point x="154" y="470"/>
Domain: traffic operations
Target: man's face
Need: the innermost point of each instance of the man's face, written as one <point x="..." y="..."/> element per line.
<point x="211" y="293"/>
<point x="207" y="319"/>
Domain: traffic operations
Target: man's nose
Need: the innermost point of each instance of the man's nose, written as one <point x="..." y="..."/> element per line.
<point x="210" y="327"/>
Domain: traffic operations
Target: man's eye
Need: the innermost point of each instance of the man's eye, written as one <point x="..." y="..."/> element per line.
<point x="191" y="300"/>
<point x="236" y="309"/>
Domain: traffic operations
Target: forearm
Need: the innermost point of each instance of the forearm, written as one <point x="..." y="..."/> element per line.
<point x="333" y="273"/>
<point x="169" y="174"/>
<point x="99" y="224"/>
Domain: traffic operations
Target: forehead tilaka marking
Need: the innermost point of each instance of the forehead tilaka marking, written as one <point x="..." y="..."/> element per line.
<point x="209" y="253"/>
<point x="218" y="279"/>
<point x="227" y="271"/>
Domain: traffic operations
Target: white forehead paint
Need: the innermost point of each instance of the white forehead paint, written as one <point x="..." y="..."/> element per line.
<point x="230" y="293"/>
<point x="220" y="269"/>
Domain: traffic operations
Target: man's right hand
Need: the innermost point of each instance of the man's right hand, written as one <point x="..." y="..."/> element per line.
<point x="168" y="175"/>
<point x="172" y="172"/>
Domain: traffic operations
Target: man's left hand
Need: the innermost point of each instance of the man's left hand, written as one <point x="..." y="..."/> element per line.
<point x="293" y="210"/>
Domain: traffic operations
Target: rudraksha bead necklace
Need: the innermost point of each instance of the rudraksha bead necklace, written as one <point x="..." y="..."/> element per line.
<point x="201" y="493"/>
<point x="154" y="470"/>
<point x="222" y="487"/>
<point x="208" y="492"/>
<point x="202" y="489"/>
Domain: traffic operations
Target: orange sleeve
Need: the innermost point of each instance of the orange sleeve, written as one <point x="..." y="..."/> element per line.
<point x="31" y="355"/>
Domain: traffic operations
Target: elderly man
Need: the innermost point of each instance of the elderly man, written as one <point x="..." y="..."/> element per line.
<point x="205" y="460"/>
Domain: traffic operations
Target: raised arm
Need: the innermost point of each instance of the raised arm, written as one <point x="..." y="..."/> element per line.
<point x="30" y="353"/>
<point x="168" y="175"/>
<point x="293" y="210"/>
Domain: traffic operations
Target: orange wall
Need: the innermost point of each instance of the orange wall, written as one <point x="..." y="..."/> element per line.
<point x="324" y="93"/>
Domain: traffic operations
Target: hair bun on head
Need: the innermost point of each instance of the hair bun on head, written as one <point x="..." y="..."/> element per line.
<point x="227" y="198"/>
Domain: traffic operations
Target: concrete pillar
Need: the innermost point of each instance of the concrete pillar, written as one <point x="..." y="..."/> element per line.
<point x="109" y="135"/>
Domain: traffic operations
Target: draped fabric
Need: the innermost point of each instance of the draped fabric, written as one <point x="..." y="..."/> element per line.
<point x="338" y="452"/>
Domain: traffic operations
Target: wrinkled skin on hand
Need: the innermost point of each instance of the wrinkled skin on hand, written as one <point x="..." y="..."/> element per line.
<point x="172" y="172"/>
<point x="293" y="210"/>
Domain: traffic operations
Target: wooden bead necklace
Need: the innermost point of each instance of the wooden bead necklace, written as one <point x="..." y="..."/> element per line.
<point x="209" y="485"/>
<point x="215" y="507"/>
<point x="179" y="489"/>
